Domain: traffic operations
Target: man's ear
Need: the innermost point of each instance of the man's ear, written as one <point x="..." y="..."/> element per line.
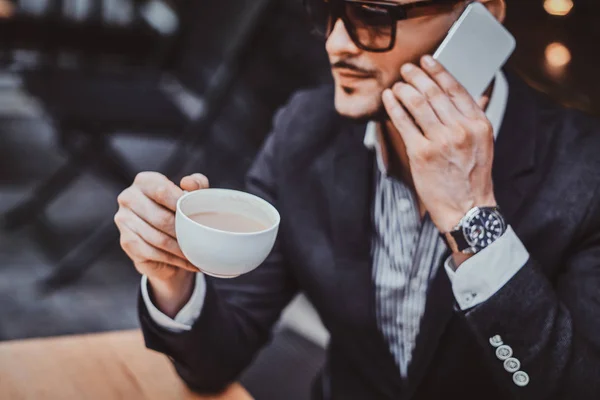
<point x="496" y="7"/>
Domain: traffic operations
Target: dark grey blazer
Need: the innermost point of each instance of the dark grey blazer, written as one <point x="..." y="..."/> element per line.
<point x="316" y="171"/>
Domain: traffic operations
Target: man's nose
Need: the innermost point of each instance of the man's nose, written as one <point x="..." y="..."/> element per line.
<point x="339" y="41"/>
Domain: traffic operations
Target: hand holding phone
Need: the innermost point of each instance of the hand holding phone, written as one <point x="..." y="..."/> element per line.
<point x="448" y="138"/>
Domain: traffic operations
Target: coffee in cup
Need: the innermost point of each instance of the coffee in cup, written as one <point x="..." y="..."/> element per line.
<point x="225" y="233"/>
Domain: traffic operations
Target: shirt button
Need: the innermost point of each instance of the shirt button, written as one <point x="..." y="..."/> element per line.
<point x="503" y="352"/>
<point x="520" y="378"/>
<point x="512" y="364"/>
<point x="496" y="341"/>
<point x="470" y="297"/>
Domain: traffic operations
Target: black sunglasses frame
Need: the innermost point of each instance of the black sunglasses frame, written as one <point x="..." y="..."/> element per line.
<point x="397" y="12"/>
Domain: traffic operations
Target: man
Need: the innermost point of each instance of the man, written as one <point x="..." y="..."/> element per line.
<point x="505" y="304"/>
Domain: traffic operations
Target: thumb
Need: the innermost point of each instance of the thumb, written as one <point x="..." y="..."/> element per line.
<point x="194" y="182"/>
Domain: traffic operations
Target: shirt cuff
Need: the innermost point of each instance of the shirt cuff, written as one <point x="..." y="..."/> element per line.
<point x="186" y="317"/>
<point x="481" y="276"/>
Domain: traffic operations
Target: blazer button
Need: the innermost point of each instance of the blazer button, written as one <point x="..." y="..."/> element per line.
<point x="521" y="378"/>
<point x="503" y="352"/>
<point x="496" y="341"/>
<point x="512" y="365"/>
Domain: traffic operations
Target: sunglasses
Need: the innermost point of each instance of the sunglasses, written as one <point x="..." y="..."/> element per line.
<point x="370" y="24"/>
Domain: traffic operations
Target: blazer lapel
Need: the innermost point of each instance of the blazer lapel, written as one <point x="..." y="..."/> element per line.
<point x="350" y="189"/>
<point x="438" y="311"/>
<point x="514" y="158"/>
<point x="350" y="194"/>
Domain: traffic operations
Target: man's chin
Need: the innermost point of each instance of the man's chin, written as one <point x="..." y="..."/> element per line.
<point x="362" y="114"/>
<point x="358" y="107"/>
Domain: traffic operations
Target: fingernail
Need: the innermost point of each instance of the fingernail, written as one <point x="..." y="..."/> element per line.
<point x="407" y="68"/>
<point x="388" y="93"/>
<point x="429" y="61"/>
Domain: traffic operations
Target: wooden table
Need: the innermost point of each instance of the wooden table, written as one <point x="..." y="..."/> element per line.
<point x="102" y="366"/>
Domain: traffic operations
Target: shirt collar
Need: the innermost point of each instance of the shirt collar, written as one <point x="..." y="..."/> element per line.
<point x="495" y="113"/>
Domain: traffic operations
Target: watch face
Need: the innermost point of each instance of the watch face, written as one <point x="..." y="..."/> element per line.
<point x="483" y="227"/>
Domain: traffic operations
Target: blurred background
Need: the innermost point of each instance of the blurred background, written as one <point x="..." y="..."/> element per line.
<point x="94" y="91"/>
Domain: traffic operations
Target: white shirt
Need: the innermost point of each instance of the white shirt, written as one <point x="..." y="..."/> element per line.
<point x="477" y="279"/>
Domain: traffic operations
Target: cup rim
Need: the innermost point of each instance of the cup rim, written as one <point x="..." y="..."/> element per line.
<point x="260" y="200"/>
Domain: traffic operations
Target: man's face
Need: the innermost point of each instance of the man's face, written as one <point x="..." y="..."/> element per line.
<point x="361" y="76"/>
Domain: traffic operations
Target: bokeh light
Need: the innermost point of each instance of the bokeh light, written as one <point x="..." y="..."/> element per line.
<point x="557" y="55"/>
<point x="558" y="7"/>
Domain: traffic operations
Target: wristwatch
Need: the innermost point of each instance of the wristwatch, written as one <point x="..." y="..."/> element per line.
<point x="479" y="228"/>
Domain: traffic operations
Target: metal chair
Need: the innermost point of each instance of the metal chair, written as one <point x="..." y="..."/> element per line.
<point x="87" y="105"/>
<point x="88" y="100"/>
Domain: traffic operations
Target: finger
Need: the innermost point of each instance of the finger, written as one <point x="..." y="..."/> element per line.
<point x="158" y="188"/>
<point x="141" y="252"/>
<point x="158" y="269"/>
<point x="194" y="182"/>
<point x="418" y="106"/>
<point x="153" y="268"/>
<point x="145" y="208"/>
<point x="440" y="102"/>
<point x="411" y="135"/>
<point x="483" y="102"/>
<point x="151" y="235"/>
<point x="453" y="89"/>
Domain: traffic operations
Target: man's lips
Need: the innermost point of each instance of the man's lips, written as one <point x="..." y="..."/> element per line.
<point x="352" y="73"/>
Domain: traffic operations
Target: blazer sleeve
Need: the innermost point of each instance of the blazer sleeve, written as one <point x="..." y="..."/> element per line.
<point x="552" y="329"/>
<point x="238" y="314"/>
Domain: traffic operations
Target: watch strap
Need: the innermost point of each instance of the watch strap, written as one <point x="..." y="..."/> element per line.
<point x="456" y="241"/>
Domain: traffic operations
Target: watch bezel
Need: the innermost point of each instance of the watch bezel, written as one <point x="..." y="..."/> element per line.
<point x="467" y="224"/>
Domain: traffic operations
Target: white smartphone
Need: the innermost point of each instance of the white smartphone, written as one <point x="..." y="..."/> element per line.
<point x="475" y="49"/>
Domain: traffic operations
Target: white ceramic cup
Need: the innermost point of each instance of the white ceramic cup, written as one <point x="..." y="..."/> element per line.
<point x="220" y="253"/>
